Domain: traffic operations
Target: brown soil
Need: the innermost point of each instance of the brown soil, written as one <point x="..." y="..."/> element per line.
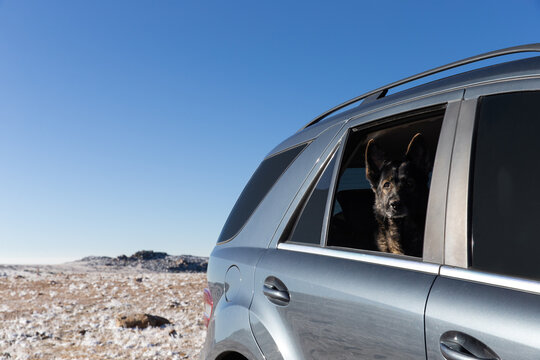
<point x="70" y="314"/>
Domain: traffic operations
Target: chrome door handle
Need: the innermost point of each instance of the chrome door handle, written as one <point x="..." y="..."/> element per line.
<point x="459" y="346"/>
<point x="276" y="294"/>
<point x="276" y="291"/>
<point x="451" y="354"/>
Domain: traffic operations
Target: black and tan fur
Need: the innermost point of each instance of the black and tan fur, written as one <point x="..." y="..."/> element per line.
<point x="401" y="193"/>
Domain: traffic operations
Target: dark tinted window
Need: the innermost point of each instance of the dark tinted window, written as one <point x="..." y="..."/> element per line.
<point x="506" y="196"/>
<point x="308" y="228"/>
<point x="256" y="189"/>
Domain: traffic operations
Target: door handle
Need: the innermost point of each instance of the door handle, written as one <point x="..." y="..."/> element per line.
<point x="462" y="354"/>
<point x="459" y="346"/>
<point x="276" y="292"/>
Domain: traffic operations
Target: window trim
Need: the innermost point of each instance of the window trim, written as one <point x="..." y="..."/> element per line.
<point x="338" y="156"/>
<point x="491" y="279"/>
<point x="365" y="256"/>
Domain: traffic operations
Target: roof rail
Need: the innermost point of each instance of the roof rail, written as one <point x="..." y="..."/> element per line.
<point x="381" y="92"/>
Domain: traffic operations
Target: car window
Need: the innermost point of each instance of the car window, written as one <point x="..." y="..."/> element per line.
<point x="266" y="175"/>
<point x="381" y="195"/>
<point x="505" y="196"/>
<point x="308" y="227"/>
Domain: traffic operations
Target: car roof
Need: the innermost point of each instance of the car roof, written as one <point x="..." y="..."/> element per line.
<point x="499" y="72"/>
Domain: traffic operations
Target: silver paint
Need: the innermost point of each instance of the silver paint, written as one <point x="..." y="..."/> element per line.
<point x="506" y="321"/>
<point x="342" y="308"/>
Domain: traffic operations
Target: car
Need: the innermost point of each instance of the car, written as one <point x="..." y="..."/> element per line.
<point x="298" y="272"/>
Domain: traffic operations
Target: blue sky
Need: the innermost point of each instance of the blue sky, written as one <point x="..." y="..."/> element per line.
<point x="129" y="125"/>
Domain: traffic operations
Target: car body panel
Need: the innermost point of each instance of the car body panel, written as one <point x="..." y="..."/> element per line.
<point x="341" y="308"/>
<point x="346" y="303"/>
<point x="234" y="336"/>
<point x="229" y="328"/>
<point x="505" y="320"/>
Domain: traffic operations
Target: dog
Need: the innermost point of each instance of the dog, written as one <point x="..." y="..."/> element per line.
<point x="401" y="193"/>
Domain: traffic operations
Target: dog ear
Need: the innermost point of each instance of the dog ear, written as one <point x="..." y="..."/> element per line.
<point x="374" y="158"/>
<point x="417" y="153"/>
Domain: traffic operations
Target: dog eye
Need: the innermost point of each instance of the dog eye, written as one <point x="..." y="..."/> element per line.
<point x="386" y="184"/>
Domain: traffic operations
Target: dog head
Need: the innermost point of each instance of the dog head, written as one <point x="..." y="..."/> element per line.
<point x="401" y="187"/>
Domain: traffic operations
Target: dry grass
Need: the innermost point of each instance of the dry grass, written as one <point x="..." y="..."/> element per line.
<point x="59" y="313"/>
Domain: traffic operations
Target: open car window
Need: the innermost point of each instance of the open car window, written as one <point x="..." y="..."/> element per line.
<point x="382" y="189"/>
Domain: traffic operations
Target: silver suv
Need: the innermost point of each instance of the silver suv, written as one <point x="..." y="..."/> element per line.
<point x="393" y="226"/>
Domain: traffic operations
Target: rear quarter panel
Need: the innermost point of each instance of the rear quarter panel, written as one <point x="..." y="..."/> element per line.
<point x="229" y="328"/>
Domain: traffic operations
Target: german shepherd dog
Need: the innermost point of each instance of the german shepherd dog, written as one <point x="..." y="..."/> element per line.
<point x="401" y="193"/>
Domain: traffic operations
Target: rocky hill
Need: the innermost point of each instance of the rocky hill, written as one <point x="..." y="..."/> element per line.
<point x="150" y="261"/>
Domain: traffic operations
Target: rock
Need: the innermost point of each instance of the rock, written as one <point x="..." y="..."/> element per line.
<point x="149" y="255"/>
<point x="42" y="335"/>
<point x="151" y="261"/>
<point x="141" y="321"/>
<point x="96" y="259"/>
<point x="188" y="263"/>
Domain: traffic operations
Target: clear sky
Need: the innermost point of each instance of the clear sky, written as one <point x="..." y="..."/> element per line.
<point x="129" y="125"/>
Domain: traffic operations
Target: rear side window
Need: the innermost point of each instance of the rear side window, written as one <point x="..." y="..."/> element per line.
<point x="256" y="189"/>
<point x="505" y="191"/>
<point x="308" y="228"/>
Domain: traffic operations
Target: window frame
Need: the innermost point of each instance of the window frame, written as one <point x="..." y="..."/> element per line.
<point x="458" y="219"/>
<point x="436" y="212"/>
<point x="457" y="230"/>
<point x="432" y="252"/>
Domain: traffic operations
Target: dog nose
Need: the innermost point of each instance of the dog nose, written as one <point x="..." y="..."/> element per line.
<point x="395" y="204"/>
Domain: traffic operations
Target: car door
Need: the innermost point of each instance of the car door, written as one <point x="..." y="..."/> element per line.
<point x="486" y="303"/>
<point x="318" y="297"/>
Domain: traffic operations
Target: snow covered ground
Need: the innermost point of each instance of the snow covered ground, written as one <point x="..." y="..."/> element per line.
<point x="69" y="312"/>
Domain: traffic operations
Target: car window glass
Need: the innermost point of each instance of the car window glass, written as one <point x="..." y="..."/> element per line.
<point x="308" y="228"/>
<point x="505" y="196"/>
<point x="386" y="210"/>
<point x="256" y="189"/>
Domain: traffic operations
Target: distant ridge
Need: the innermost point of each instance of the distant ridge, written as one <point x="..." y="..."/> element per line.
<point x="152" y="261"/>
